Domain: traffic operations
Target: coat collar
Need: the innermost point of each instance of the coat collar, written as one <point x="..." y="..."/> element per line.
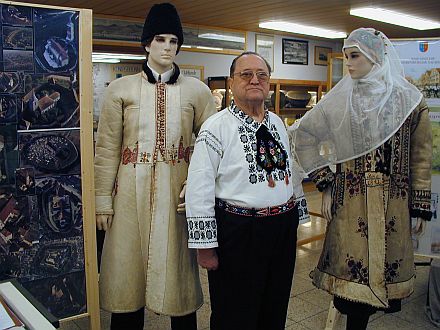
<point x="152" y="79"/>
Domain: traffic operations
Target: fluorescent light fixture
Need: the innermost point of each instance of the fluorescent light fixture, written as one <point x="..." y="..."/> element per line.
<point x="105" y="60"/>
<point x="223" y="37"/>
<point x="302" y="29"/>
<point x="117" y="56"/>
<point x="393" y="17"/>
<point x="209" y="48"/>
<point x="185" y="46"/>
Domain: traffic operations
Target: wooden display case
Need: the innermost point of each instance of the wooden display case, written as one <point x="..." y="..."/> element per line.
<point x="336" y="69"/>
<point x="283" y="86"/>
<point x="221" y="85"/>
<point x="276" y="100"/>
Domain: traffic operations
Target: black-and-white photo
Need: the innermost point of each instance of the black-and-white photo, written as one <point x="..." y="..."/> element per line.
<point x="295" y="51"/>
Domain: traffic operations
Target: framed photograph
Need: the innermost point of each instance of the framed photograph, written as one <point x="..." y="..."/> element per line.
<point x="295" y="51"/>
<point x="321" y="54"/>
<point x="127" y="32"/>
<point x="264" y="47"/>
<point x="195" y="71"/>
<point x="118" y="30"/>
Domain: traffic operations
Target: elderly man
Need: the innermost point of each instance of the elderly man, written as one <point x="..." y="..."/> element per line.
<point x="142" y="155"/>
<point x="242" y="205"/>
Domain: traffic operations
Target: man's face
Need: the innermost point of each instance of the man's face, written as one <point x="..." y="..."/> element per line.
<point x="253" y="90"/>
<point x="162" y="52"/>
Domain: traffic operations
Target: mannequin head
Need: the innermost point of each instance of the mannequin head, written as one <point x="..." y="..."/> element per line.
<point x="364" y="48"/>
<point x="370" y="42"/>
<point x="162" y="51"/>
<point x="162" y="36"/>
<point x="357" y="63"/>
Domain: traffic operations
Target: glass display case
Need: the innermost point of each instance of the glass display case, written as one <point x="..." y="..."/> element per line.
<point x="336" y="69"/>
<point x="293" y="98"/>
<point x="290" y="99"/>
<point x="220" y="90"/>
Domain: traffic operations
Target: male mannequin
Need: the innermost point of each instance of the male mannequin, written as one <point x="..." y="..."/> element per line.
<point x="142" y="155"/>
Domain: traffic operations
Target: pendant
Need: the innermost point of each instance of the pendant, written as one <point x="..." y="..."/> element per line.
<point x="286" y="179"/>
<point x="271" y="182"/>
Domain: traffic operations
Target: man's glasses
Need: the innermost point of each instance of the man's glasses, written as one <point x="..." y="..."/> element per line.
<point x="248" y="75"/>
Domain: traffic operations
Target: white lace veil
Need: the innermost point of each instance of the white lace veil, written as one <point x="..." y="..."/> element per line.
<point x="357" y="115"/>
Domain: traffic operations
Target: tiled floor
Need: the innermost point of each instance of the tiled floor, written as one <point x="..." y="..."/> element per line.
<point x="308" y="306"/>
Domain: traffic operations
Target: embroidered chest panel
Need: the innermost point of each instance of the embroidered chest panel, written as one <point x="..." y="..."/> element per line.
<point x="247" y="133"/>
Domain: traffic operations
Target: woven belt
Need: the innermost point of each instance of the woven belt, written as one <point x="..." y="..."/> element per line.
<point x="252" y="212"/>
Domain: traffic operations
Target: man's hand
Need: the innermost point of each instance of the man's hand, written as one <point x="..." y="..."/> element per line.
<point x="181" y="206"/>
<point x="104" y="221"/>
<point x="326" y="206"/>
<point x="207" y="258"/>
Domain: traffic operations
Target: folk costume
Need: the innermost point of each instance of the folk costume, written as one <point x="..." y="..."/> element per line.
<point x="243" y="199"/>
<point x="376" y="130"/>
<point x="142" y="157"/>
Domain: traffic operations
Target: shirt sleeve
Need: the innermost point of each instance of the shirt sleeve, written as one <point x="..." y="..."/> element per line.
<point x="204" y="106"/>
<point x="200" y="190"/>
<point x="108" y="149"/>
<point x="420" y="163"/>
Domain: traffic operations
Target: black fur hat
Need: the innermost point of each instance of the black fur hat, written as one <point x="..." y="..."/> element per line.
<point x="162" y="19"/>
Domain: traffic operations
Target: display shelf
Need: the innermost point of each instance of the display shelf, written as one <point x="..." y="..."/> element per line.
<point x="284" y="86"/>
<point x="219" y="86"/>
<point x="278" y="90"/>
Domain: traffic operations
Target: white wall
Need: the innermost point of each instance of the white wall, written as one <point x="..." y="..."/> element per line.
<point x="218" y="65"/>
<point x="214" y="64"/>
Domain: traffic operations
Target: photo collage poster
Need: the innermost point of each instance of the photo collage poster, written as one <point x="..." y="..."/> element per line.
<point x="41" y="223"/>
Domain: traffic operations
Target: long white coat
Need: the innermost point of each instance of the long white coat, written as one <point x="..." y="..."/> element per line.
<point x="141" y="162"/>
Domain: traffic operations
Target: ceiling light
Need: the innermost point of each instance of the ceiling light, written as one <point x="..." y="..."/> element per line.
<point x="396" y="18"/>
<point x="118" y="56"/>
<point x="302" y="29"/>
<point x="105" y="60"/>
<point x="209" y="48"/>
<point x="185" y="46"/>
<point x="223" y="37"/>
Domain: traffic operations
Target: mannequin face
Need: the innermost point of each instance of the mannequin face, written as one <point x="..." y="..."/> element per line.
<point x="357" y="63"/>
<point x="162" y="52"/>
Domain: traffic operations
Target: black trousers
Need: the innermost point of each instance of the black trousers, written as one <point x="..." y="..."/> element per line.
<point x="135" y="321"/>
<point x="251" y="288"/>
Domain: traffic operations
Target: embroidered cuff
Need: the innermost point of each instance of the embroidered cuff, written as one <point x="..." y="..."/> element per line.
<point x="104" y="205"/>
<point x="303" y="212"/>
<point x="421" y="204"/>
<point x="202" y="232"/>
<point x="322" y="178"/>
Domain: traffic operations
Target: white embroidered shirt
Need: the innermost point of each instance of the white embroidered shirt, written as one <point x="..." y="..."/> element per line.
<point x="224" y="166"/>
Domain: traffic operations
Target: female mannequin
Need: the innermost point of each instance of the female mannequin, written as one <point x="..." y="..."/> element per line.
<point x="375" y="127"/>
